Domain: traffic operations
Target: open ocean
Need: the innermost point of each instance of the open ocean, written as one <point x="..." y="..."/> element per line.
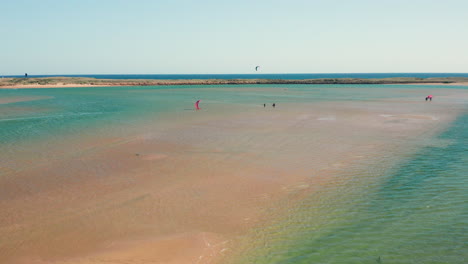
<point x="414" y="210"/>
<point x="287" y="76"/>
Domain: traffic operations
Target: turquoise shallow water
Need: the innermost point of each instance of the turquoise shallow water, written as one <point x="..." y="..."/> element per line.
<point x="66" y="111"/>
<point x="411" y="210"/>
<point x="415" y="213"/>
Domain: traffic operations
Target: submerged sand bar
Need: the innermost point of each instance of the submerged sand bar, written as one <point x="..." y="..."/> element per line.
<point x="61" y="82"/>
<point x="186" y="189"/>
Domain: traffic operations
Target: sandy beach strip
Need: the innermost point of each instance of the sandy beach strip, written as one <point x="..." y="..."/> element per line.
<point x="58" y="85"/>
<point x="16" y="99"/>
<point x="441" y="84"/>
<point x="76" y="82"/>
<point x="61" y="85"/>
<point x="177" y="196"/>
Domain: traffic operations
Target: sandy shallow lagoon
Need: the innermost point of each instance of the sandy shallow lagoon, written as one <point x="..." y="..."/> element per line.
<point x="185" y="186"/>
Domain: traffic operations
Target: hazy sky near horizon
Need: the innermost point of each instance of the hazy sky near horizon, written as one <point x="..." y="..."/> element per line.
<point x="214" y="36"/>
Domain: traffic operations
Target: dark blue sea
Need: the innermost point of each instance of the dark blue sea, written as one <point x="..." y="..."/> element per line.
<point x="286" y="76"/>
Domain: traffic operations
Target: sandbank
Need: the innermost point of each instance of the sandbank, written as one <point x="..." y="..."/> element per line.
<point x="70" y="82"/>
<point x="16" y="99"/>
<point x="58" y="85"/>
<point x="188" y="188"/>
<point x="441" y="83"/>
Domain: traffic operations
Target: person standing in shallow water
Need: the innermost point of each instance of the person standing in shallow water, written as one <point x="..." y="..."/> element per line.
<point x="274" y="105"/>
<point x="264" y="105"/>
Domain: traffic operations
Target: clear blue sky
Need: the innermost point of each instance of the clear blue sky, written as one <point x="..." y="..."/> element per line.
<point x="215" y="36"/>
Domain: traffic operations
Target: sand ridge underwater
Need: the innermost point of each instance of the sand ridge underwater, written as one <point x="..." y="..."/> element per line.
<point x="141" y="178"/>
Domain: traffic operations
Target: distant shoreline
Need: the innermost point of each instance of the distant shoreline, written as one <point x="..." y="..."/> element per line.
<point x="73" y="82"/>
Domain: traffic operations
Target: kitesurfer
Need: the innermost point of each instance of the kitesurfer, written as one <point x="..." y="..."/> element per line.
<point x="196" y="105"/>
